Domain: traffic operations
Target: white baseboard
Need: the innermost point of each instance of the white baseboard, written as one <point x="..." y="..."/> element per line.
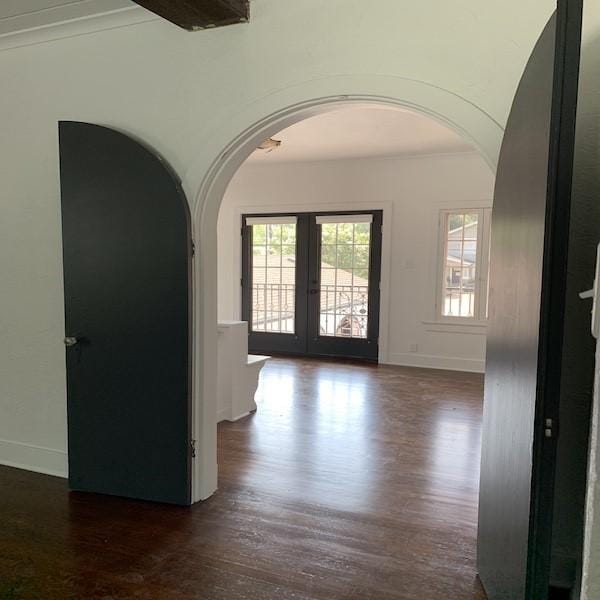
<point x="33" y="458"/>
<point x="207" y="486"/>
<point x="431" y="361"/>
<point x="223" y="415"/>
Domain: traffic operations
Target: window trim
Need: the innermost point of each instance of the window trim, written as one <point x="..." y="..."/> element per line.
<point x="482" y="266"/>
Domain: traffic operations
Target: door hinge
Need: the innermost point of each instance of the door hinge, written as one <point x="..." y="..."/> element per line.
<point x="193" y="448"/>
<point x="548" y="428"/>
<point x="193" y="248"/>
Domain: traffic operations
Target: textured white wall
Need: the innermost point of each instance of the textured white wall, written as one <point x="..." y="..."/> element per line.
<point x="415" y="190"/>
<point x="591" y="566"/>
<point x="181" y="93"/>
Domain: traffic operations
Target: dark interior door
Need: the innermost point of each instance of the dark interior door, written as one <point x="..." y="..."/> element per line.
<point x="310" y="283"/>
<point x="530" y="227"/>
<point x="127" y="268"/>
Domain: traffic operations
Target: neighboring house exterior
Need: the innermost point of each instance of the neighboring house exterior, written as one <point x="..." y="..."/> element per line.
<point x="462" y="256"/>
<point x="460" y="270"/>
<point x="344" y="298"/>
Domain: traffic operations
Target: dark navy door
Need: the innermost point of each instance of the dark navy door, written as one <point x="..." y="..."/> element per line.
<point x="530" y="225"/>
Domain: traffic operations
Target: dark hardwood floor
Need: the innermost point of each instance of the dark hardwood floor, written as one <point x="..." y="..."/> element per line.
<point x="351" y="482"/>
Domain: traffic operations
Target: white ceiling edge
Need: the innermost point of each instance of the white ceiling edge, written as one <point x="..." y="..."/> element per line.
<point x="70" y="21"/>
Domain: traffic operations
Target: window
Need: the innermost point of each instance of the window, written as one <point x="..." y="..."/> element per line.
<point x="464" y="258"/>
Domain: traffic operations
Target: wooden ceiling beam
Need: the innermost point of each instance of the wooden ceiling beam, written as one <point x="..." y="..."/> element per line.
<point x="199" y="14"/>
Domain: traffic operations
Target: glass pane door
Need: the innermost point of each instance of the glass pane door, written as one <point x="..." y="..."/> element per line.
<point x="274" y="283"/>
<point x="344" y="279"/>
<point x="344" y="273"/>
<point x="273" y="277"/>
<point x="310" y="283"/>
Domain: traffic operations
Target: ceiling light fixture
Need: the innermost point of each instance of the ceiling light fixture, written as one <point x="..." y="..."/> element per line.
<point x="269" y="145"/>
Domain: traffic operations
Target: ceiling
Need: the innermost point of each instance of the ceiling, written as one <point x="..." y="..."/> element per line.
<point x="21" y="16"/>
<point x="24" y="15"/>
<point x="200" y="14"/>
<point x="363" y="131"/>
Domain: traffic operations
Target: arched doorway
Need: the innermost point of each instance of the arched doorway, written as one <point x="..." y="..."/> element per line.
<point x="207" y="181"/>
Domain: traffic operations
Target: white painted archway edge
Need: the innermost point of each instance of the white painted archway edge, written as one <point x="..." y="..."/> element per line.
<point x="219" y="157"/>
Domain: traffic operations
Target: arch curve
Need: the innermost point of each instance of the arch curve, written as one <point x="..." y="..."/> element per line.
<point x="228" y="147"/>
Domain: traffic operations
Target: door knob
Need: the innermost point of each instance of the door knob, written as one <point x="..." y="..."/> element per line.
<point x="70" y="341"/>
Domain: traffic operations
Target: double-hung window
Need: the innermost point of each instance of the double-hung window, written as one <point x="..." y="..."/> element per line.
<point x="464" y="264"/>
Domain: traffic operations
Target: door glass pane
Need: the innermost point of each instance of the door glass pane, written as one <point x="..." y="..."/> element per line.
<point x="274" y="277"/>
<point x="344" y="279"/>
<point x="462" y="233"/>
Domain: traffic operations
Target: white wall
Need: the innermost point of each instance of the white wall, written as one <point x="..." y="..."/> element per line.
<point x="412" y="191"/>
<point x="180" y="93"/>
<point x="586" y="193"/>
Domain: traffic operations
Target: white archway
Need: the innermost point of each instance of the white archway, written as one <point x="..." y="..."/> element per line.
<point x="224" y="152"/>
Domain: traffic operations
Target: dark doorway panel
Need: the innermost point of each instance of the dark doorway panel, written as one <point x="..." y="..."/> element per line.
<point x="530" y="227"/>
<point x="127" y="270"/>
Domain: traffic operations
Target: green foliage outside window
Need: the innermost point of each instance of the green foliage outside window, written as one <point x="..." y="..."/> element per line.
<point x="345" y="245"/>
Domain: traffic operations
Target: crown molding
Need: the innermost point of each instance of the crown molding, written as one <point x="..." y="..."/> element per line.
<point x="74" y="19"/>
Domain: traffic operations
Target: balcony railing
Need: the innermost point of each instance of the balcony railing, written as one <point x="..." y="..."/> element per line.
<point x="343" y="309"/>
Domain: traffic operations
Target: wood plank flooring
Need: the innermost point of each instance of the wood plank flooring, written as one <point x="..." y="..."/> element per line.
<point x="351" y="482"/>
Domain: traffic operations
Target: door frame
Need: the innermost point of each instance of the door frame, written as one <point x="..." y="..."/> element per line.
<point x="324" y="207"/>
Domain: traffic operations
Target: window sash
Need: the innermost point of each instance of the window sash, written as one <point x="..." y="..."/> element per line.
<point x="480" y="292"/>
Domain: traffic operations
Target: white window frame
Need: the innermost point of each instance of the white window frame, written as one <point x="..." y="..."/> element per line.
<point x="482" y="265"/>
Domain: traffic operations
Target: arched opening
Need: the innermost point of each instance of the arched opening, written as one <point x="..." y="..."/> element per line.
<point x="214" y="171"/>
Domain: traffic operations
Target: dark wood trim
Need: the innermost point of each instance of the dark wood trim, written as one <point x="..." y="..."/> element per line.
<point x="199" y="14"/>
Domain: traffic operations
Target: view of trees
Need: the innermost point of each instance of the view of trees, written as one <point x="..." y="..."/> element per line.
<point x="343" y="245"/>
<point x="456" y="220"/>
<point x="346" y="245"/>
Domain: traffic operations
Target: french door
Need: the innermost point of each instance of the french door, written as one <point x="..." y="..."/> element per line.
<point x="310" y="283"/>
